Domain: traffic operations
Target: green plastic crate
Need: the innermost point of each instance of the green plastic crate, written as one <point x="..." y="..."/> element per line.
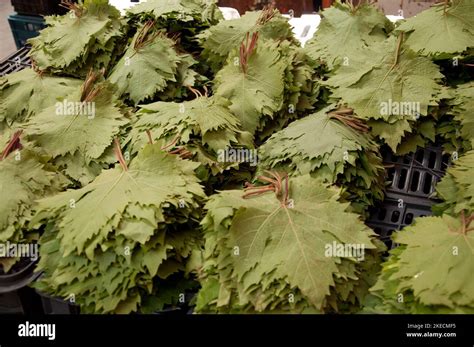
<point x="25" y="27"/>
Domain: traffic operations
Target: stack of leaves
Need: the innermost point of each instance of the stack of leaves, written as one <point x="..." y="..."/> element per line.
<point x="183" y="18"/>
<point x="456" y="189"/>
<point x="268" y="83"/>
<point x="151" y="67"/>
<point x="430" y="272"/>
<point x="27" y="92"/>
<point x="462" y="106"/>
<point x="220" y="40"/>
<point x="87" y="37"/>
<point x="345" y="32"/>
<point x="204" y="126"/>
<point x="78" y="132"/>
<point x="24" y="177"/>
<point x="392" y="82"/>
<point x="278" y="252"/>
<point x="333" y="146"/>
<point x="302" y="89"/>
<point x="390" y="87"/>
<point x="442" y="31"/>
<point x="107" y="242"/>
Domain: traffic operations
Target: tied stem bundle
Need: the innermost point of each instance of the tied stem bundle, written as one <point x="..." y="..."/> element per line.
<point x="246" y="49"/>
<point x="274" y="182"/>
<point x="89" y="90"/>
<point x="346" y="116"/>
<point x="72" y="6"/>
<point x="12" y="145"/>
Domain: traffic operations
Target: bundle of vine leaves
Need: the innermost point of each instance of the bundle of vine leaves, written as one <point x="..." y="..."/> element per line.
<point x="169" y="157"/>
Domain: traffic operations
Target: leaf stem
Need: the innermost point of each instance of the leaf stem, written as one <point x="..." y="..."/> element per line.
<point x="12" y="144"/>
<point x="246" y="50"/>
<point x="275" y="184"/>
<point x="88" y="90"/>
<point x="171" y="144"/>
<point x="346" y="116"/>
<point x="143" y="37"/>
<point x="119" y="155"/>
<point x="150" y="139"/>
<point x="267" y="14"/>
<point x="397" y="52"/>
<point x="71" y="6"/>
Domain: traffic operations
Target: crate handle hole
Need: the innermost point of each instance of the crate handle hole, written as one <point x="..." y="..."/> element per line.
<point x="382" y="213"/>
<point x="409" y="218"/>
<point x="395" y="216"/>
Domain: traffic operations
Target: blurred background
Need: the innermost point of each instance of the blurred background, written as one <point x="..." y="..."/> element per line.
<point x="22" y="19"/>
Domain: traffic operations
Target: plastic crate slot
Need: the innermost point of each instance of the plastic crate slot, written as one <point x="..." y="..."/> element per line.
<point x="415" y="181"/>
<point x="419" y="156"/>
<point x="391" y="174"/>
<point x="395" y="216"/>
<point x="427" y="184"/>
<point x="382" y="214"/>
<point x="409" y="218"/>
<point x="446" y="159"/>
<point x="432" y="160"/>
<point x="402" y="179"/>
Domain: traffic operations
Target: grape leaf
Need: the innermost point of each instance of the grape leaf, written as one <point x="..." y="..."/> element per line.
<point x="221" y="39"/>
<point x="457" y="188"/>
<point x="143" y="72"/>
<point x="257" y="93"/>
<point x="345" y="31"/>
<point x="84" y="38"/>
<point x="328" y="149"/>
<point x="78" y="135"/>
<point x="451" y="29"/>
<point x="430" y="268"/>
<point x="114" y="192"/>
<point x="398" y="89"/>
<point x="463" y="103"/>
<point x="185" y="10"/>
<point x="25" y="93"/>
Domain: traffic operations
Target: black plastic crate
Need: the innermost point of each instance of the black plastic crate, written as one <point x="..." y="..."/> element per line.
<point x="52" y="305"/>
<point x="15" y="295"/>
<point x="21" y="301"/>
<point x="415" y="174"/>
<point x="15" y="62"/>
<point x="409" y="193"/>
<point x="25" y="27"/>
<point x="395" y="213"/>
<point x="38" y="7"/>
